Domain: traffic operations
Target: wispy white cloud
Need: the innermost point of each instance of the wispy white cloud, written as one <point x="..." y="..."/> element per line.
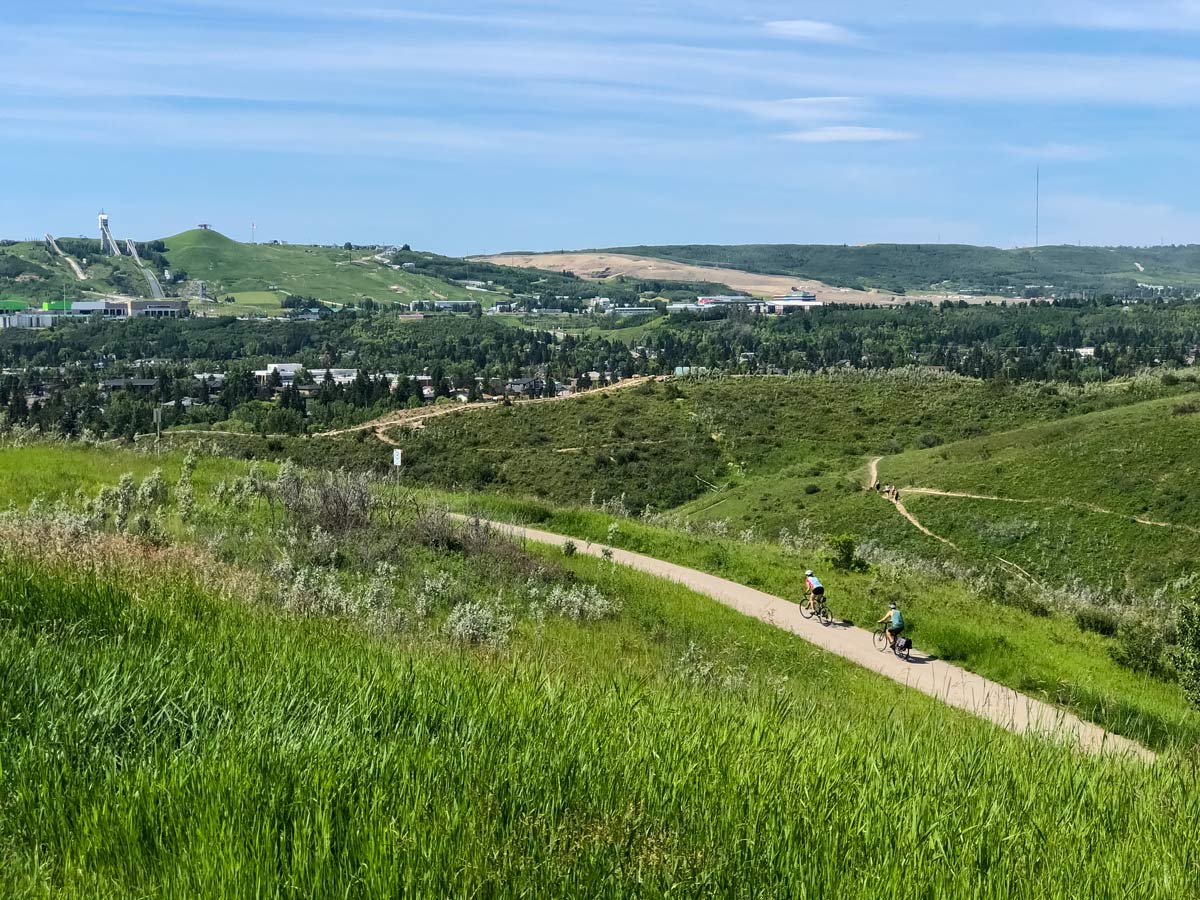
<point x="812" y="30"/>
<point x="806" y="109"/>
<point x="836" y="134"/>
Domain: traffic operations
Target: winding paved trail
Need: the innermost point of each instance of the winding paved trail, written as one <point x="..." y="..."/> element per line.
<point x="950" y="684"/>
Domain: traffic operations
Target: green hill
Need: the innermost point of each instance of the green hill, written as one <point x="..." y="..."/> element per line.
<point x="395" y="705"/>
<point x="954" y="266"/>
<point x="248" y="271"/>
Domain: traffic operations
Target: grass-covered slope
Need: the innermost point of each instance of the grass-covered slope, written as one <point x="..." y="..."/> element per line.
<point x="769" y="438"/>
<point x="923" y="266"/>
<point x="246" y="271"/>
<point x="164" y="739"/>
<point x="33" y="274"/>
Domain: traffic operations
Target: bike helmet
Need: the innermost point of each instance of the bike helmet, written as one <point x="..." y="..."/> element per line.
<point x="892" y="605"/>
<point x="808" y="571"/>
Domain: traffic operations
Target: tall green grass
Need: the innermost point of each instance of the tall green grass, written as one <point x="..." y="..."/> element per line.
<point x="179" y="745"/>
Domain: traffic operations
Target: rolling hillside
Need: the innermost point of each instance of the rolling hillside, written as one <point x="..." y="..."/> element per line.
<point x="893" y="267"/>
<point x="259" y="275"/>
<point x="31" y="275"/>
<point x="403" y="705"/>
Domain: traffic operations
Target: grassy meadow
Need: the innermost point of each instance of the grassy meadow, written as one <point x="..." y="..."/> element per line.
<point x="330" y="274"/>
<point x="288" y="687"/>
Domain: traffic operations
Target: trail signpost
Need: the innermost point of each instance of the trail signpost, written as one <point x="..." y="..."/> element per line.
<point x="397" y="458"/>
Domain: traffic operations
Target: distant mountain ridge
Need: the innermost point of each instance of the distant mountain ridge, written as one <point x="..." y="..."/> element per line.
<point x="903" y="267"/>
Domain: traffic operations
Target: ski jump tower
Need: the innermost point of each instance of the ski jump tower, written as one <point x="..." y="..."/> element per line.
<point x="107" y="244"/>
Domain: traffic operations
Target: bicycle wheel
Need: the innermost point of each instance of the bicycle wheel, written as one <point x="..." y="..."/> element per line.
<point x="825" y="615"/>
<point x="805" y="611"/>
<point x="881" y="641"/>
<point x="901" y="654"/>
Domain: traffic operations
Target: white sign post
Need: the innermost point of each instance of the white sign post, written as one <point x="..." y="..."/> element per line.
<point x="397" y="458"/>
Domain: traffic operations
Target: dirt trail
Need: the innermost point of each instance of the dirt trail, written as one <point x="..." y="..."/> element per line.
<point x="416" y="417"/>
<point x="873" y="476"/>
<point x="1080" y="504"/>
<point x="950" y="684"/>
<point x="894" y="499"/>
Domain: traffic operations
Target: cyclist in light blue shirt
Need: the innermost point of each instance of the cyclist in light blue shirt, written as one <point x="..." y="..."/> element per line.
<point x="897" y="622"/>
<point x="814" y="589"/>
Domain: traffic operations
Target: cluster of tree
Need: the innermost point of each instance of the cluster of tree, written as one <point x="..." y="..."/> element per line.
<point x="1034" y="342"/>
<point x="299" y="301"/>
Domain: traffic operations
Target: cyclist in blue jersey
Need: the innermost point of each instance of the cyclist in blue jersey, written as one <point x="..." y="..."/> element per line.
<point x="813" y="588"/>
<point x="896" y="624"/>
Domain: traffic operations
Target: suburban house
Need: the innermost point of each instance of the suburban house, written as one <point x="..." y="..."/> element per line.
<point x="524" y="387"/>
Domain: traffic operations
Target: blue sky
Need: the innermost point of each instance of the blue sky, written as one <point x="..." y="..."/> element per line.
<point x="475" y="127"/>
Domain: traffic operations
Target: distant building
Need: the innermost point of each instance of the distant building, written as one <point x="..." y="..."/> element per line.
<point x="524" y="386"/>
<point x="60" y="310"/>
<point x="455" y="306"/>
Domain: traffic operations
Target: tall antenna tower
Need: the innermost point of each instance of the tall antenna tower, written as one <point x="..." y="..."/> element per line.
<point x="253" y="233"/>
<point x="1037" y="207"/>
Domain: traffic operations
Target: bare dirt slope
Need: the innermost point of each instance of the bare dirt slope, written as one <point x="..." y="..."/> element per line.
<point x="610" y="265"/>
<point x="950" y="684"/>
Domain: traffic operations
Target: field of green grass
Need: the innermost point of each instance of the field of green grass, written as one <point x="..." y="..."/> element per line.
<point x="329" y="274"/>
<point x="430" y="712"/>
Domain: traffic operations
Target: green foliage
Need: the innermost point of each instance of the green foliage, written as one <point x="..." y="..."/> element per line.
<point x="1187" y="654"/>
<point x="1098" y="621"/>
<point x="842" y="553"/>
<point x="1140" y="646"/>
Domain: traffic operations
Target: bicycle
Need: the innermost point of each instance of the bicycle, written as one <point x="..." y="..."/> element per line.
<point x="901" y="646"/>
<point x="820" y="610"/>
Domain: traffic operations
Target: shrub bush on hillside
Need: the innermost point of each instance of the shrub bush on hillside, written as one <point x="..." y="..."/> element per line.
<point x="843" y="553"/>
<point x="1097" y="620"/>
<point x="478" y="623"/>
<point x="1187" y="652"/>
<point x="1141" y="646"/>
